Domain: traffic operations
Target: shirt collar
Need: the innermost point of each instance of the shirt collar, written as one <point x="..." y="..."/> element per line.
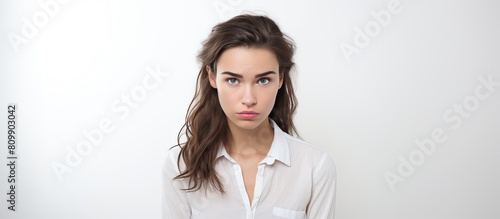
<point x="279" y="148"/>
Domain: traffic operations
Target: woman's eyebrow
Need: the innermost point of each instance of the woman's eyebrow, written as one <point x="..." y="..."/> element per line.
<point x="241" y="76"/>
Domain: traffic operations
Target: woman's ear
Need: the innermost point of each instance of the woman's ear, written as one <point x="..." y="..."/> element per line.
<point x="211" y="77"/>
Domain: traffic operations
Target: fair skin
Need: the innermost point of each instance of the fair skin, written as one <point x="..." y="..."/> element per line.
<point x="247" y="81"/>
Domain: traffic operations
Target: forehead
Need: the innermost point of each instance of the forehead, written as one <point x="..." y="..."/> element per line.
<point x="244" y="60"/>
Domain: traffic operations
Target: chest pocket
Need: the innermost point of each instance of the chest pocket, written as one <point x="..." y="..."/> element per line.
<point x="286" y="213"/>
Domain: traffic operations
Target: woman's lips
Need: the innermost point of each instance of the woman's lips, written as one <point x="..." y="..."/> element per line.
<point x="248" y="115"/>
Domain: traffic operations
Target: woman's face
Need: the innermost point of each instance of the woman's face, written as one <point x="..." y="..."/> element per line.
<point x="247" y="81"/>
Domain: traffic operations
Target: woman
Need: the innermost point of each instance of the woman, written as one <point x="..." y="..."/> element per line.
<point x="240" y="160"/>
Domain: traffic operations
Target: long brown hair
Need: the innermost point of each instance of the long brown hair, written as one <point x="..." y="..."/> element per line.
<point x="206" y="124"/>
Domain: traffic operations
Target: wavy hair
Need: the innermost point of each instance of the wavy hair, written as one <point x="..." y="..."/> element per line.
<point x="205" y="124"/>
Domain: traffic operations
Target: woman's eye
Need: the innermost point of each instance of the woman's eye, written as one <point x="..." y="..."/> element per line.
<point x="232" y="81"/>
<point x="264" y="81"/>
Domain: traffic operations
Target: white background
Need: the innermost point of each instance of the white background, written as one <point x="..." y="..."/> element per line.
<point x="367" y="112"/>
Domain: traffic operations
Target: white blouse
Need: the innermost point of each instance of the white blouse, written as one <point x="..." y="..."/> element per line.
<point x="294" y="180"/>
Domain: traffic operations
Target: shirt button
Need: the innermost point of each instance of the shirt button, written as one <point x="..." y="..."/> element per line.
<point x="261" y="172"/>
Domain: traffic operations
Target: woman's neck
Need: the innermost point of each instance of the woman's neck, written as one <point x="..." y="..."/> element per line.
<point x="247" y="143"/>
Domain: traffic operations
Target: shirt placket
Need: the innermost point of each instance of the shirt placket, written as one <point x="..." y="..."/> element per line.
<point x="259" y="179"/>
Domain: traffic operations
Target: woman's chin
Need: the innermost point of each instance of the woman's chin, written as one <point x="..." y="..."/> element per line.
<point x="247" y="124"/>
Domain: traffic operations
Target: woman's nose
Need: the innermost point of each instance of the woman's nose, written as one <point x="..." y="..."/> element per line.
<point x="249" y="97"/>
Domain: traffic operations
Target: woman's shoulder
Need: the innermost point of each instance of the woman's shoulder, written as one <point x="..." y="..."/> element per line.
<point x="302" y="150"/>
<point x="170" y="163"/>
<point x="303" y="146"/>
